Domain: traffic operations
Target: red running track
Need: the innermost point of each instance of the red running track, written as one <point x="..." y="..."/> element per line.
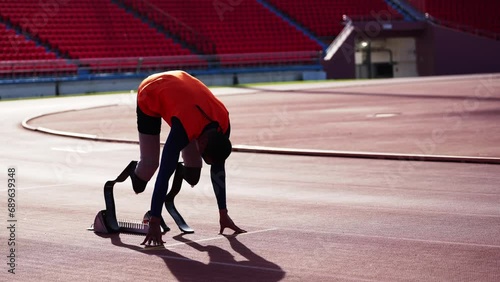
<point x="309" y="218"/>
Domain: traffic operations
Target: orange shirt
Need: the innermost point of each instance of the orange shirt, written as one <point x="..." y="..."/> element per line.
<point x="177" y="94"/>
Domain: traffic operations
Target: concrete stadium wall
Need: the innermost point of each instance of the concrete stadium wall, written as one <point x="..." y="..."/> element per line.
<point x="93" y="86"/>
<point x="42" y="89"/>
<point x="444" y="51"/>
<point x="27" y="90"/>
<point x="462" y="53"/>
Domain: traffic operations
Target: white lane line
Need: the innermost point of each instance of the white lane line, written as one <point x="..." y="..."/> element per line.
<point x="421" y="240"/>
<point x="72" y="150"/>
<point x="215" y="262"/>
<point x="203" y="240"/>
<point x="218" y="237"/>
<point x="409" y="210"/>
<point x="396" y="238"/>
<point x="92" y="150"/>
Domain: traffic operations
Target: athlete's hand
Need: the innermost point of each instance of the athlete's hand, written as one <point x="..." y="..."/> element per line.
<point x="153" y="238"/>
<point x="226" y="221"/>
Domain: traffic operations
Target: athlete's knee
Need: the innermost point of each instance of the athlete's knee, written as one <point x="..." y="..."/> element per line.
<point x="146" y="168"/>
<point x="138" y="184"/>
<point x="192" y="175"/>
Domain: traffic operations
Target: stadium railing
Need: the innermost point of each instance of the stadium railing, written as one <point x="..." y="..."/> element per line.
<point x="213" y="64"/>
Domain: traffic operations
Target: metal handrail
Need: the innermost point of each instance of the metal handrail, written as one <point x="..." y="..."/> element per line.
<point x="144" y="64"/>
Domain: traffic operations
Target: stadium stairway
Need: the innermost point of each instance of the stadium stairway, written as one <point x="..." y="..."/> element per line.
<point x="293" y="22"/>
<point x="173" y="33"/>
<point x="406" y="10"/>
<point x="324" y="18"/>
<point x="96" y="35"/>
<point x="24" y="55"/>
<point x="34" y="37"/>
<point x="239" y="31"/>
<point x="478" y="17"/>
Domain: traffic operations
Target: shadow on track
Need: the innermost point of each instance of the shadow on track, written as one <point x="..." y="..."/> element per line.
<point x="222" y="265"/>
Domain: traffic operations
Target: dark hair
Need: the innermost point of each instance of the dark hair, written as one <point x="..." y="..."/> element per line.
<point x="218" y="147"/>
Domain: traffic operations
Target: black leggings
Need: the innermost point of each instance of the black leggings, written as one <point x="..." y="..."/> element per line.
<point x="147" y="124"/>
<point x="192" y="175"/>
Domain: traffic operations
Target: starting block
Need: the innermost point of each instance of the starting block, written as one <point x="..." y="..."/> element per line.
<point x="101" y="225"/>
<point x="106" y="222"/>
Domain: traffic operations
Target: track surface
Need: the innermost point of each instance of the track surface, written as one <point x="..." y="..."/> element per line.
<point x="309" y="218"/>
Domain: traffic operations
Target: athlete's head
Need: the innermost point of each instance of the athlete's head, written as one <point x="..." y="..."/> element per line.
<point x="217" y="149"/>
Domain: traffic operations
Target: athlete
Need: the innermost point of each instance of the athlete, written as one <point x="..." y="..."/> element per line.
<point x="199" y="129"/>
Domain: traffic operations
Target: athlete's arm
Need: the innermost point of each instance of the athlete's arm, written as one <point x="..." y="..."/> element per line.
<point x="218" y="177"/>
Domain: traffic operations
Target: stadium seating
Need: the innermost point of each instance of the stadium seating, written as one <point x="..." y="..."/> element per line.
<point x="87" y="31"/>
<point x="246" y="27"/>
<point x="18" y="47"/>
<point x="15" y="47"/>
<point x="101" y="29"/>
<point x="324" y="17"/>
<point x="91" y="29"/>
<point x="465" y="14"/>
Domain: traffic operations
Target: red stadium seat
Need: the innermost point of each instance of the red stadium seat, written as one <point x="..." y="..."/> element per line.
<point x="15" y="48"/>
<point x="324" y="17"/>
<point x="101" y="29"/>
<point x="478" y="14"/>
<point x="92" y="25"/>
<point x="248" y="27"/>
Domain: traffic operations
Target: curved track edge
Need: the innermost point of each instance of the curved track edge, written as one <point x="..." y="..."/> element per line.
<point x="272" y="150"/>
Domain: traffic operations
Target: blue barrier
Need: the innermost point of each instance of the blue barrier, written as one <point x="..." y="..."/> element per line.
<point x="36" y="71"/>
